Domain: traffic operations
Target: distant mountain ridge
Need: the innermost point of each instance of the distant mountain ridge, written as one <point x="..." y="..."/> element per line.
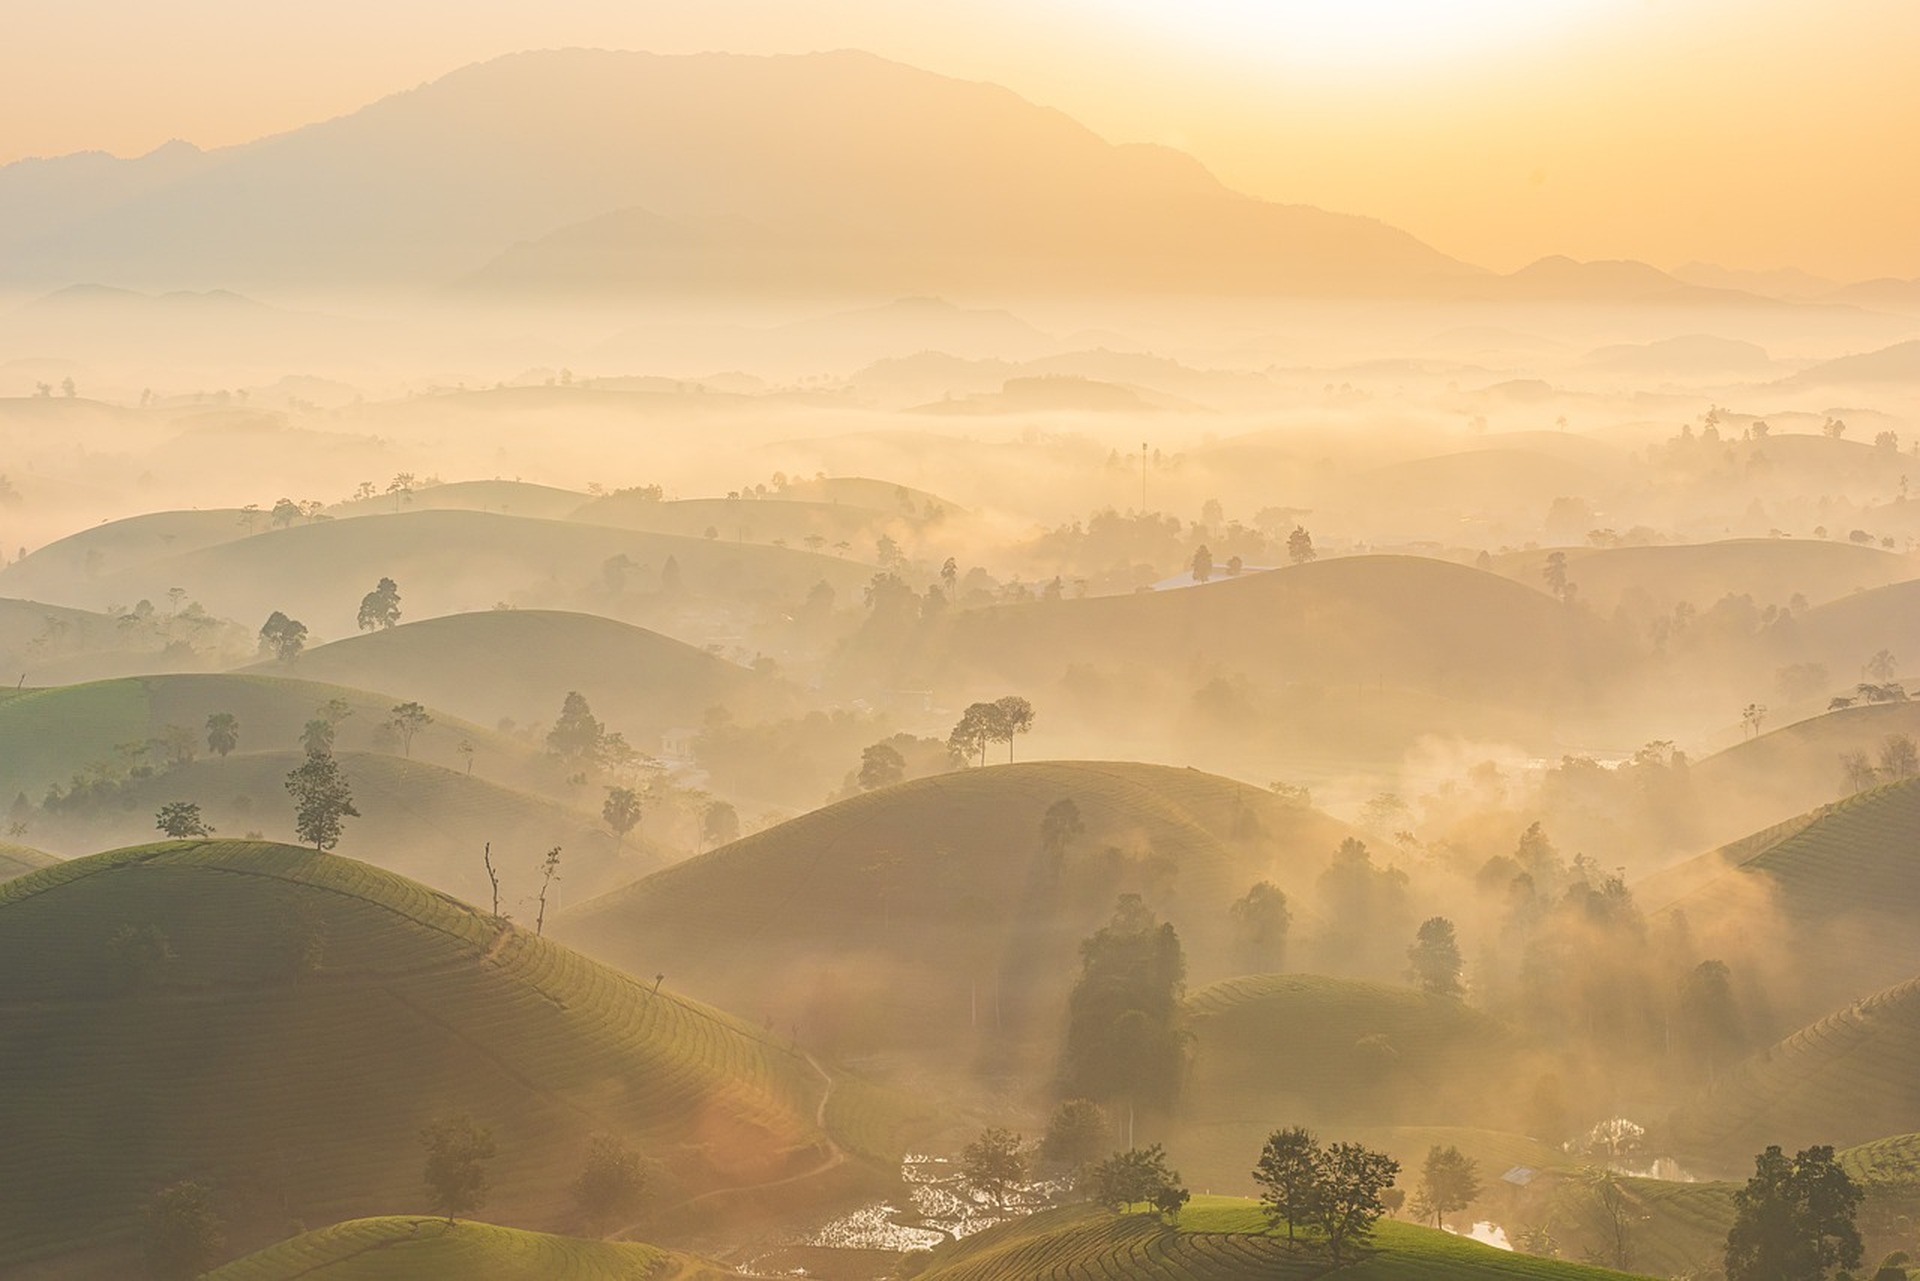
<point x="580" y="169"/>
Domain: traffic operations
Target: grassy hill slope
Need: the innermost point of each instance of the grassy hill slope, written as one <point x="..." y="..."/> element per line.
<point x="455" y="561"/>
<point x="1771" y="570"/>
<point x="18" y="860"/>
<point x="1219" y="1239"/>
<point x="1847" y="1079"/>
<point x="121" y="545"/>
<point x="1845" y="633"/>
<point x="900" y="916"/>
<point x="1795" y="768"/>
<point x="737" y="520"/>
<point x="428" y="1249"/>
<point x="311" y="1013"/>
<point x="521" y="663"/>
<point x="510" y="497"/>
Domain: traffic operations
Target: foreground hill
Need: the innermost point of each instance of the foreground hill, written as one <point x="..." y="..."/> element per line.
<point x="431" y="1249"/>
<point x="1220" y="1239"/>
<point x="455" y="561"/>
<point x="1836" y="886"/>
<point x="1771" y="570"/>
<point x="930" y="914"/>
<point x="278" y="1024"/>
<point x="1845" y="1080"/>
<point x="522" y="663"/>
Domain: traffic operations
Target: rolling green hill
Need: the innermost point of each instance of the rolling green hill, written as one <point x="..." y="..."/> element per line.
<point x="1314" y="1049"/>
<point x="926" y="915"/>
<point x="457" y="561"/>
<point x="1771" y="570"/>
<point x="428" y="1249"/>
<point x="1401" y="622"/>
<point x="1847" y="1079"/>
<point x="420" y="820"/>
<point x="18" y="860"/>
<point x="1841" y="878"/>
<point x="103" y="728"/>
<point x="278" y="1024"/>
<point x="121" y="545"/>
<point x="521" y="663"/>
<point x="1219" y="1239"/>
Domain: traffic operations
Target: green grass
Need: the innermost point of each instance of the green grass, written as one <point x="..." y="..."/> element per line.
<point x="1846" y="1079"/>
<point x="1218" y="1239"/>
<point x="49" y="735"/>
<point x="926" y="913"/>
<point x="522" y="663"/>
<point x="428" y="1249"/>
<point x="1269" y="1049"/>
<point x="297" y="1097"/>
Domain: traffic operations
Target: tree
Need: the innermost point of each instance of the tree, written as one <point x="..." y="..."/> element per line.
<point x="456" y="1171"/>
<point x="223" y="733"/>
<point x="621" y="811"/>
<point x="322" y="800"/>
<point x="493" y="876"/>
<point x="466" y="749"/>
<point x="1859" y="771"/>
<point x="1134" y="1177"/>
<point x="994" y="1164"/>
<point x="719" y="823"/>
<point x="1434" y="959"/>
<point x="282" y="637"/>
<point x="612" y="1186"/>
<point x="1882" y="666"/>
<point x="881" y="766"/>
<point x="978" y="726"/>
<point x="380" y="608"/>
<point x="1124" y="1035"/>
<point x="549" y="873"/>
<point x="318" y="736"/>
<point x="1261" y="920"/>
<point x="180" y="1233"/>
<point x="576" y="735"/>
<point x="1555" y="574"/>
<point x="1448" y="1182"/>
<point x="1899" y="758"/>
<point x="1794" y="1219"/>
<point x="1710" y="1017"/>
<point x="1300" y="546"/>
<point x="181" y="820"/>
<point x="1352" y="1179"/>
<point x="1202" y="564"/>
<point x="1076" y="1134"/>
<point x="1752" y="716"/>
<point x="1016" y="717"/>
<point x="1289" y="1174"/>
<point x="408" y="719"/>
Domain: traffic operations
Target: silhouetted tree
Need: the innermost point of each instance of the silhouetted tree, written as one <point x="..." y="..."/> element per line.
<point x="1136" y="1176"/>
<point x="577" y="735"/>
<point x="978" y="726"/>
<point x="1289" y="1175"/>
<point x="621" y="811"/>
<point x="1202" y="564"/>
<point x="1300" y="546"/>
<point x="1793" y="1221"/>
<point x="1434" y="959"/>
<point x="1710" y="1017"/>
<point x="1261" y="920"/>
<point x="1016" y="717"/>
<point x="1448" y="1182"/>
<point x="1124" y="1038"/>
<point x="994" y="1164"/>
<point x="380" y="608"/>
<point x="282" y="637"/>
<point x="181" y="820"/>
<point x="613" y="1185"/>
<point x="719" y="823"/>
<point x="1898" y="757"/>
<point x="318" y="735"/>
<point x="180" y="1233"/>
<point x="456" y="1171"/>
<point x="881" y="766"/>
<point x="1077" y="1133"/>
<point x="322" y="800"/>
<point x="223" y="733"/>
<point x="549" y="873"/>
<point x="1352" y="1183"/>
<point x="408" y="719"/>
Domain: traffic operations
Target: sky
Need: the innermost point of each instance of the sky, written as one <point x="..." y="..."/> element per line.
<point x="1756" y="134"/>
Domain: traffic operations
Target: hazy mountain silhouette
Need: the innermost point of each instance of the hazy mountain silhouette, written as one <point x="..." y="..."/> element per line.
<point x="585" y="169"/>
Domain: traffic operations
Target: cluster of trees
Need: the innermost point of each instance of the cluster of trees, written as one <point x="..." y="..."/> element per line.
<point x="1338" y="1191"/>
<point x="322" y="798"/>
<point x="1898" y="758"/>
<point x="983" y="724"/>
<point x="1125" y="1040"/>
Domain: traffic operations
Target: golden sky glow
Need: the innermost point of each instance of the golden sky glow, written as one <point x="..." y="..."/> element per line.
<point x="1756" y="133"/>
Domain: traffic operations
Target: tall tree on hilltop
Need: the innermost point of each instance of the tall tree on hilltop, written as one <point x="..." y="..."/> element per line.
<point x="1793" y="1221"/>
<point x="322" y="800"/>
<point x="380" y="608"/>
<point x="1433" y="961"/>
<point x="1289" y="1175"/>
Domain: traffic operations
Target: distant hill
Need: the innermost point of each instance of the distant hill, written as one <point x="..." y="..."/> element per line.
<point x="1690" y="356"/>
<point x="313" y="1014"/>
<point x="1561" y="279"/>
<point x="521" y="664"/>
<point x="1771" y="570"/>
<point x="122" y="545"/>
<point x="457" y="561"/>
<point x="18" y="860"/>
<point x="927" y="917"/>
<point x="509" y="497"/>
<point x="1222" y="1239"/>
<point x="430" y="1249"/>
<point x="1899" y="363"/>
<point x="1847" y="632"/>
<point x="699" y="171"/>
<point x="1794" y="769"/>
<point x="816" y="526"/>
<point x="1844" y="1080"/>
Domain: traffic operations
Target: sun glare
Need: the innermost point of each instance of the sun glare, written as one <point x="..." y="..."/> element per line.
<point x="1347" y="34"/>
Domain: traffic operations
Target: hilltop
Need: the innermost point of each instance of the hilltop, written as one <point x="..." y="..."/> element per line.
<point x="507" y="497"/>
<point x="1845" y="633"/>
<point x="792" y="522"/>
<point x="428" y="1249"/>
<point x="927" y="915"/>
<point x="1220" y="1239"/>
<point x="120" y="545"/>
<point x="1793" y="769"/>
<point x="18" y="860"/>
<point x="291" y="1019"/>
<point x="1771" y="570"/>
<point x="521" y="664"/>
